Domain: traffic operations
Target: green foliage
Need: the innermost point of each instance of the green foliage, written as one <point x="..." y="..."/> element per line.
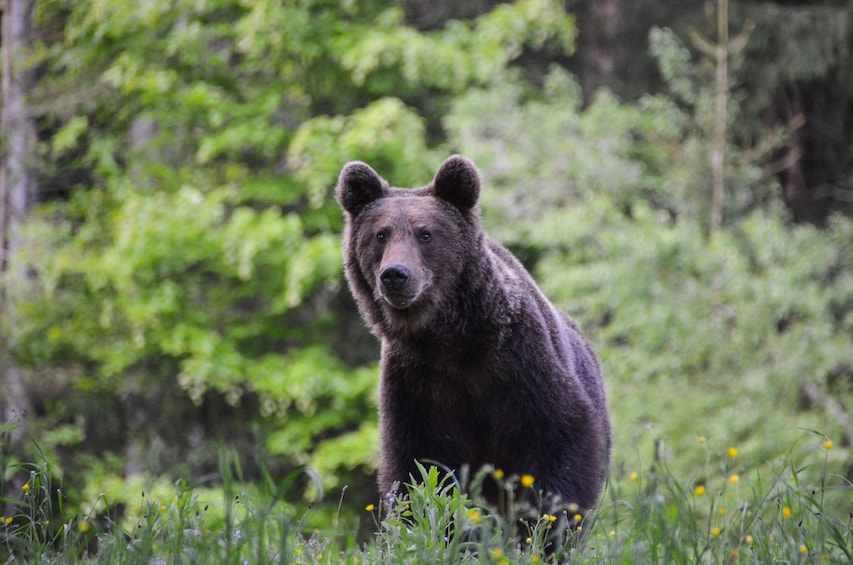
<point x="444" y="519"/>
<point x="544" y="152"/>
<point x="457" y="56"/>
<point x="235" y="523"/>
<point x="428" y="523"/>
<point x="727" y="512"/>
<point x="386" y="132"/>
<point x="715" y="328"/>
<point x="724" y="511"/>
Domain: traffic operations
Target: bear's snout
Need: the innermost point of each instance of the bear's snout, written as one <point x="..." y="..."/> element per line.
<point x="398" y="286"/>
<point x="394" y="278"/>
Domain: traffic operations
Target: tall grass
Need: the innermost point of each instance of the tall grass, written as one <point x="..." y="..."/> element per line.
<point x="779" y="511"/>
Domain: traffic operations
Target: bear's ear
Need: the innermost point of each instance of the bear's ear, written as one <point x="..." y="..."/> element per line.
<point x="458" y="182"/>
<point x="358" y="186"/>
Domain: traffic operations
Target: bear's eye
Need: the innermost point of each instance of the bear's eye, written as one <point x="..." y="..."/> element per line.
<point x="426" y="236"/>
<point x="382" y="236"/>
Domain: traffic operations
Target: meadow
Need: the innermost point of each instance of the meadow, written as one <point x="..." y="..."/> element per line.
<point x="734" y="510"/>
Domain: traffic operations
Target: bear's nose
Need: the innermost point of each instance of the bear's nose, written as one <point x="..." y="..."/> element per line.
<point x="394" y="277"/>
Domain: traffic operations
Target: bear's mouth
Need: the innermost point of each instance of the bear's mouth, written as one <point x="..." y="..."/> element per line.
<point x="399" y="301"/>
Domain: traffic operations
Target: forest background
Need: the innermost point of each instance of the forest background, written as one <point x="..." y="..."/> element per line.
<point x="172" y="283"/>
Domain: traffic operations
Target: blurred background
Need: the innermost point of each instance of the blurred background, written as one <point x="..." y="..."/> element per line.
<point x="677" y="175"/>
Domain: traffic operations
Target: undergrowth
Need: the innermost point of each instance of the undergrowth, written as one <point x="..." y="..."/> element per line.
<point x="727" y="513"/>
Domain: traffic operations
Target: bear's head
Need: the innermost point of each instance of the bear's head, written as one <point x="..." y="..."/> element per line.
<point x="406" y="249"/>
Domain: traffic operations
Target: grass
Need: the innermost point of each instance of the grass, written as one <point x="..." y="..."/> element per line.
<point x="727" y="513"/>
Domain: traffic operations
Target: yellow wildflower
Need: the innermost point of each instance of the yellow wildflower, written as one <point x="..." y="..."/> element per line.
<point x="715" y="532"/>
<point x="733" y="479"/>
<point x="803" y="549"/>
<point x="732" y="452"/>
<point x="527" y="481"/>
<point x="748" y="539"/>
<point x="827" y="444"/>
<point x="786" y="512"/>
<point x="26" y="487"/>
<point x="497" y="553"/>
<point x="578" y="517"/>
<point x="475" y="515"/>
<point x="534" y="559"/>
<point x="635" y="477"/>
<point x="721" y="511"/>
<point x="499" y="474"/>
<point x="613" y="533"/>
<point x="369" y="507"/>
<point x="83" y="526"/>
<point x="699" y="490"/>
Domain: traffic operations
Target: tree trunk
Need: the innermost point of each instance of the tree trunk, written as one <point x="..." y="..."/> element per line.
<point x="718" y="151"/>
<point x="17" y="187"/>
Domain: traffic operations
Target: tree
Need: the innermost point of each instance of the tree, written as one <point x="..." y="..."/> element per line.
<point x="799" y="80"/>
<point x="17" y="187"/>
<point x="720" y="53"/>
<point x="794" y="78"/>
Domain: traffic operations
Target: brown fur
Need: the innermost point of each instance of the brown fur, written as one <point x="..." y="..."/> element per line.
<point x="477" y="366"/>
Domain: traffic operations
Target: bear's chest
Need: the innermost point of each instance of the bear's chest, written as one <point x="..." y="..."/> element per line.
<point x="449" y="375"/>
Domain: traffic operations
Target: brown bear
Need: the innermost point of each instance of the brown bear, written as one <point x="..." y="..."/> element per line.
<point x="477" y="366"/>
